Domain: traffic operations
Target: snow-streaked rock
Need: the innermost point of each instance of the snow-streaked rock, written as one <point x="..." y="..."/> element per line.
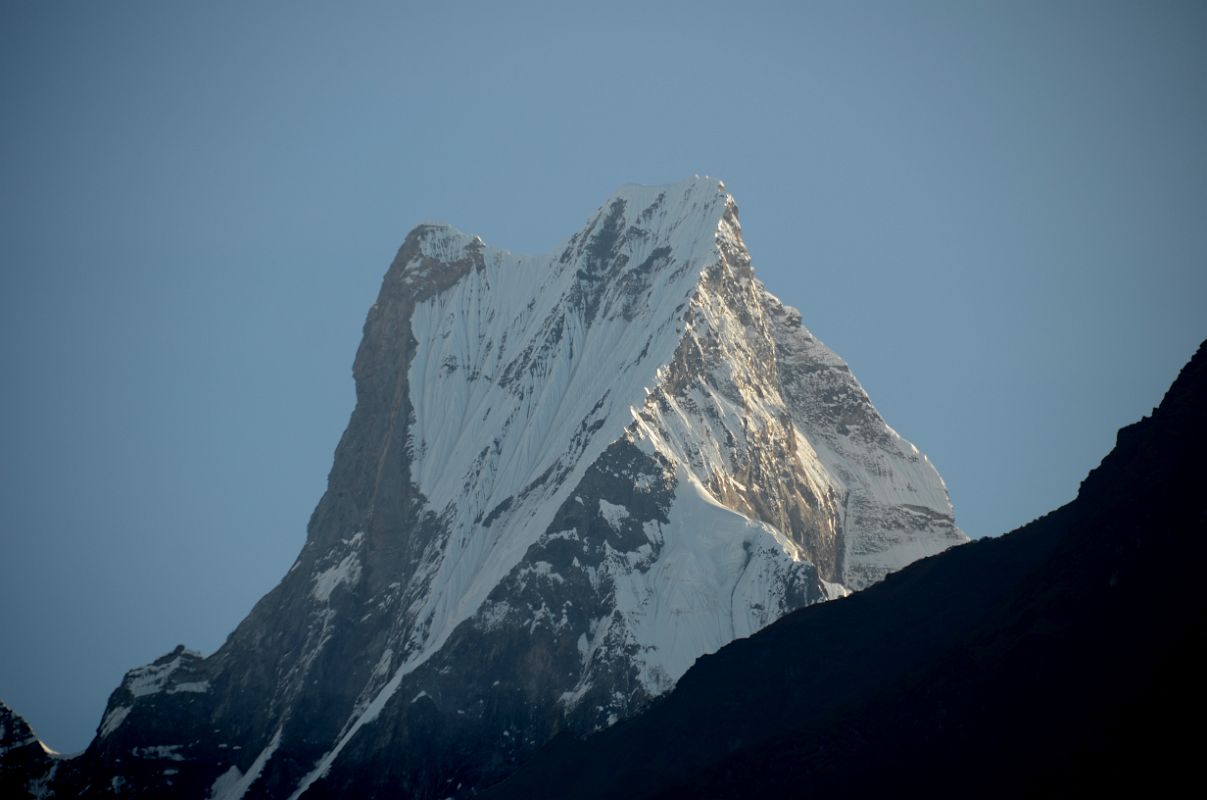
<point x="566" y="478"/>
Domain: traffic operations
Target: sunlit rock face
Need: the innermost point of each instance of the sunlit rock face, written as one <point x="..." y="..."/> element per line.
<point x="567" y="476"/>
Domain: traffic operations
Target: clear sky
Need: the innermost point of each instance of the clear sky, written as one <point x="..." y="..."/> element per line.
<point x="995" y="212"/>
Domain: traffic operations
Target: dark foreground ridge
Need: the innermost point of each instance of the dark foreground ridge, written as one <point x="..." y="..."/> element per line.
<point x="1060" y="659"/>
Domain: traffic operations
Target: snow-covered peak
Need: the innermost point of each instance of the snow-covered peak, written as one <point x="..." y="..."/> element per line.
<point x="699" y="195"/>
<point x="684" y="217"/>
<point x="638" y="231"/>
<point x="567" y="476"/>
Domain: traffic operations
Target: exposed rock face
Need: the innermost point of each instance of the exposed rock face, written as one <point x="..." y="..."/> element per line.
<point x="566" y="477"/>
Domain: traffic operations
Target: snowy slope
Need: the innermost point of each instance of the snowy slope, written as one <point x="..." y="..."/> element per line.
<point x="528" y="368"/>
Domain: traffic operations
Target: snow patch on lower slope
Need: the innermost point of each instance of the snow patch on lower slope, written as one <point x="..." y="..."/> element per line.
<point x="719" y="576"/>
<point x="366" y="716"/>
<point x="347" y="571"/>
<point x="613" y="514"/>
<point x="150" y="679"/>
<point x="113" y="720"/>
<point x="233" y="784"/>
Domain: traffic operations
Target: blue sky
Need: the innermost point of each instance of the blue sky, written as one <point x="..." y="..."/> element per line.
<point x="996" y="212"/>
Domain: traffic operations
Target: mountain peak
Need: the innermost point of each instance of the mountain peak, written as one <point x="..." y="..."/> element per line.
<point x="632" y="232"/>
<point x="567" y="476"/>
<point x="684" y="217"/>
<point x="698" y="194"/>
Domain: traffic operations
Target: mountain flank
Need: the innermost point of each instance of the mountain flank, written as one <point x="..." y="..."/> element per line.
<point x="567" y="476"/>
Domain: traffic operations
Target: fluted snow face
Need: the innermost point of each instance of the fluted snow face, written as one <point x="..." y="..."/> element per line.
<point x="529" y="367"/>
<point x="649" y="326"/>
